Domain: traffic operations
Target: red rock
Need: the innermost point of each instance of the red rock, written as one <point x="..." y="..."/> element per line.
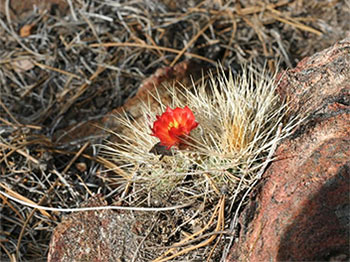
<point x="301" y="211"/>
<point x="20" y="10"/>
<point x="319" y="80"/>
<point x="91" y="236"/>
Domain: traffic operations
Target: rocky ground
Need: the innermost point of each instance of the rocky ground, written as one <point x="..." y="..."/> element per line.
<point x="67" y="66"/>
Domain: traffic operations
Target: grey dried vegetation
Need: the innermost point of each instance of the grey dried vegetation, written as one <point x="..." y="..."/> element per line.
<point x="61" y="67"/>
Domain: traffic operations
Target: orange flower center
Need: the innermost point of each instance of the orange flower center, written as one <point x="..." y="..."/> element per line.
<point x="173" y="124"/>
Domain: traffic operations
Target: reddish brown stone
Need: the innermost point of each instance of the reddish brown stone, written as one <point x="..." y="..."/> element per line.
<point x="20" y="10"/>
<point x="318" y="80"/>
<point x="94" y="236"/>
<point x="301" y="211"/>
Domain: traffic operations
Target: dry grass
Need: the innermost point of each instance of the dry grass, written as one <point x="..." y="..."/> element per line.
<point x="68" y="69"/>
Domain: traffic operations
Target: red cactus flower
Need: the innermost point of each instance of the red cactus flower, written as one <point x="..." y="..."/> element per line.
<point x="172" y="125"/>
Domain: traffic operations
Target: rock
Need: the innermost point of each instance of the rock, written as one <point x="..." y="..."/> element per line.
<point x="20" y="10"/>
<point x="301" y="210"/>
<point x="96" y="236"/>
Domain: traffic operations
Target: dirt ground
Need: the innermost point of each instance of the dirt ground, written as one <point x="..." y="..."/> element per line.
<point x="66" y="63"/>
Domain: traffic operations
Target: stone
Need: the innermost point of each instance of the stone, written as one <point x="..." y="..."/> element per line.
<point x="102" y="235"/>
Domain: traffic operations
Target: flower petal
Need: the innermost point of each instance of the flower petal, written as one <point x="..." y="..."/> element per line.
<point x="172" y="125"/>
